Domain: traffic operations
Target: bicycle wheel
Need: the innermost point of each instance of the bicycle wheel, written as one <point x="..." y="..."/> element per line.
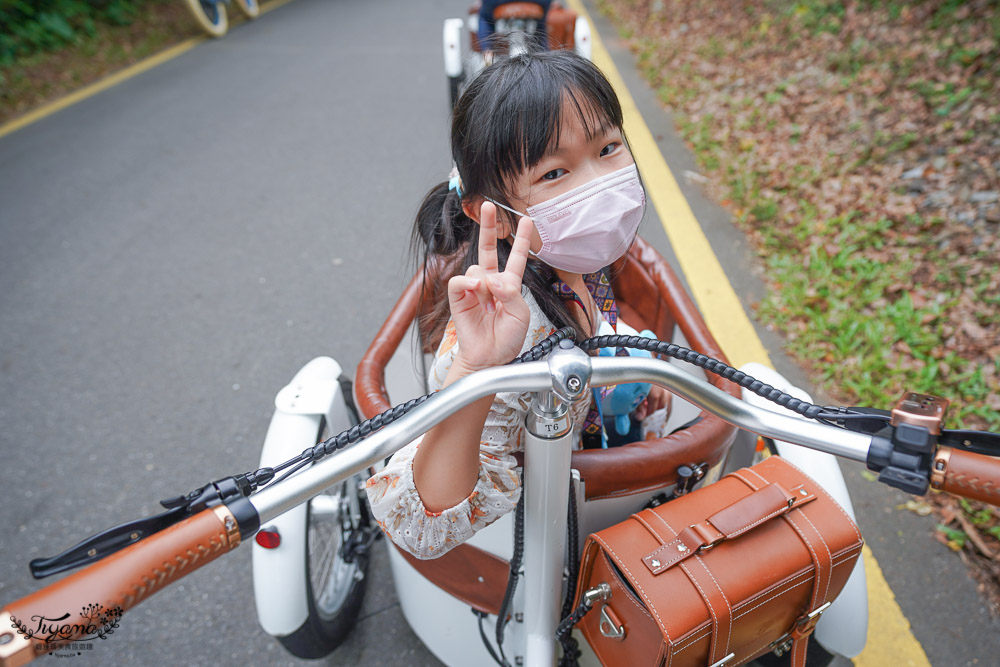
<point x="210" y="15"/>
<point x="338" y="532"/>
<point x="251" y="8"/>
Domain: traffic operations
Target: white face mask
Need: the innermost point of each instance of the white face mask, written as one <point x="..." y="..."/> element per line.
<point x="590" y="226"/>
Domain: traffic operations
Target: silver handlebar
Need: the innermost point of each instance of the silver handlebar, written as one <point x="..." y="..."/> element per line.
<point x="534" y="377"/>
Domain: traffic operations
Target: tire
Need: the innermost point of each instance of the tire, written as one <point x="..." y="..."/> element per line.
<point x="211" y="16"/>
<point x="335" y="581"/>
<point x="250" y="8"/>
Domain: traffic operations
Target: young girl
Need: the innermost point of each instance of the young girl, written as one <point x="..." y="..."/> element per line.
<point x="539" y="136"/>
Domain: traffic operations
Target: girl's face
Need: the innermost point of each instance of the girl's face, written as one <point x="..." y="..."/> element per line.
<point x="571" y="161"/>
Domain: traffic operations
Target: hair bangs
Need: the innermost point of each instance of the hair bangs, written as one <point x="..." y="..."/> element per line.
<point x="531" y="104"/>
<point x="512" y="114"/>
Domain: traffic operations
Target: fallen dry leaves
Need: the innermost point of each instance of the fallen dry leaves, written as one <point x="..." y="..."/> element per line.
<point x="858" y="146"/>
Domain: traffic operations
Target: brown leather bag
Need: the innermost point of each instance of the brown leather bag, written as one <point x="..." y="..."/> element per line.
<point x="721" y="575"/>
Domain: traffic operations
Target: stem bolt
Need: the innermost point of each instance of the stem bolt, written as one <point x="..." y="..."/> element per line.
<point x="573" y="382"/>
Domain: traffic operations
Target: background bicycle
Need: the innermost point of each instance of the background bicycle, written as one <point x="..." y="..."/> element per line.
<point x="212" y="17"/>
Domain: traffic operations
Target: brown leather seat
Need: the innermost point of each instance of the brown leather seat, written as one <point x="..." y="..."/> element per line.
<point x="649" y="296"/>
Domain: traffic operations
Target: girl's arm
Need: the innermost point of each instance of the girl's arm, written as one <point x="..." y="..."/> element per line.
<point x="446" y="466"/>
<point x="491" y="320"/>
<point x="399" y="508"/>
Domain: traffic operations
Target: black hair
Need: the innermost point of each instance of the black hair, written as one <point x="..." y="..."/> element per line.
<point x="509" y="116"/>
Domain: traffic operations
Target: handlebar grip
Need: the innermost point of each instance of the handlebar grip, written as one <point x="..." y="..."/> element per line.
<point x="122" y="580"/>
<point x="967" y="474"/>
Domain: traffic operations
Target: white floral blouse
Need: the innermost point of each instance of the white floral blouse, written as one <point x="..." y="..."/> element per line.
<point x="394" y="499"/>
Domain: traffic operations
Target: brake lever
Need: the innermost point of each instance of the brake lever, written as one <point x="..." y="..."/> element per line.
<point x="977" y="442"/>
<point x="114" y="539"/>
<point x="852" y="419"/>
<point x="105" y="543"/>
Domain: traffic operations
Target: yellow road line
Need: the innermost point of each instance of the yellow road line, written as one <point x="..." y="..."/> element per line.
<point x="114" y="79"/>
<point x="99" y="86"/>
<point x="273" y="5"/>
<point x="710" y="288"/>
<point x="890" y="640"/>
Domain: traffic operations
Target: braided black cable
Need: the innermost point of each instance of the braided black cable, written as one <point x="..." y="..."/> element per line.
<point x="515" y="573"/>
<point x="481" y="615"/>
<point x="709" y="364"/>
<point x="365" y="428"/>
<point x="570" y="648"/>
<point x="573" y="552"/>
<point x="567" y="623"/>
<point x="547" y="345"/>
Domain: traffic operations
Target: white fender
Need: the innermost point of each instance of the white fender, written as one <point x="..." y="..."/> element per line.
<point x="453" y="47"/>
<point x="581" y="38"/>
<point x="843" y="628"/>
<point x="279" y="583"/>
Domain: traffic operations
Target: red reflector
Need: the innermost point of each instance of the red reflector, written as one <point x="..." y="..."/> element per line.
<point x="268" y="538"/>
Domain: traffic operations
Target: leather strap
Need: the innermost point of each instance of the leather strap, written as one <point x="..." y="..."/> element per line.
<point x="726" y="524"/>
<point x="823" y="562"/>
<point x="719" y="609"/>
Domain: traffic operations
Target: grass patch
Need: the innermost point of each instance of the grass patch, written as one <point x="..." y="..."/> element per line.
<point x="872" y="295"/>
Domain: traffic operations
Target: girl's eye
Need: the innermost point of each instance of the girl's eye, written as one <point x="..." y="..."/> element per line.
<point x="609" y="149"/>
<point x="553" y="175"/>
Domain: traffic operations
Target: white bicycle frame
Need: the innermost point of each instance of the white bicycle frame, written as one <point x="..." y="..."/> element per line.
<point x="548" y="445"/>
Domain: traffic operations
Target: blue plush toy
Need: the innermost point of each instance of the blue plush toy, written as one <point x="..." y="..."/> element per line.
<point x="623" y="399"/>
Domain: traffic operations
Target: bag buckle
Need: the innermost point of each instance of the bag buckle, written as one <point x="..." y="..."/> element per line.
<point x="720" y="663"/>
<point x="706" y="547"/>
<point x="709" y="539"/>
<point x="806" y="624"/>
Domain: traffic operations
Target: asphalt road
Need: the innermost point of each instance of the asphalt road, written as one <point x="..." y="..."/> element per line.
<point x="174" y="249"/>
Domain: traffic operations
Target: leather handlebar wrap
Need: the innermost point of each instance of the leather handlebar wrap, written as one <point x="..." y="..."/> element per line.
<point x="112" y="585"/>
<point x="970" y="475"/>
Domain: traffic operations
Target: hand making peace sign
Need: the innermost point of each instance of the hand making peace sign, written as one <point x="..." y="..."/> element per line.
<point x="490" y="315"/>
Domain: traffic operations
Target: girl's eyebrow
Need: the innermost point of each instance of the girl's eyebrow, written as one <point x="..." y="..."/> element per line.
<point x="554" y="149"/>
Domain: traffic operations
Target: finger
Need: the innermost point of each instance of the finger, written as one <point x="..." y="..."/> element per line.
<point x="652" y="402"/>
<point x="488" y="237"/>
<point x="462" y="292"/>
<point x="519" y="251"/>
<point x="482" y="292"/>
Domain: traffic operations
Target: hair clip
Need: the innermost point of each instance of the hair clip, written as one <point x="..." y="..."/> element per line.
<point x="455" y="182"/>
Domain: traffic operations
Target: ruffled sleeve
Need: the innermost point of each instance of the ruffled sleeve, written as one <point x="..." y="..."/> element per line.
<point x="395" y="503"/>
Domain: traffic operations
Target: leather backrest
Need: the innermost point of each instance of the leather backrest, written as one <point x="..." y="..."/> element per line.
<point x="560" y="24"/>
<point x="518" y="10"/>
<point x="649" y="296"/>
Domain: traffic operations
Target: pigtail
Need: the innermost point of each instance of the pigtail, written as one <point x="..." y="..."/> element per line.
<point x="441" y="227"/>
<point x="440" y="240"/>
